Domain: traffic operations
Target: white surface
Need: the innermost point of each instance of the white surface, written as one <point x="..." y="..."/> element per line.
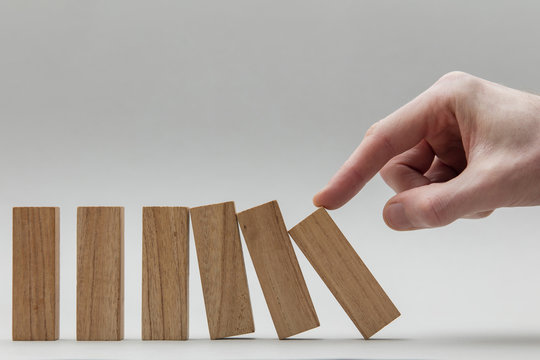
<point x="193" y="102"/>
<point x="428" y="347"/>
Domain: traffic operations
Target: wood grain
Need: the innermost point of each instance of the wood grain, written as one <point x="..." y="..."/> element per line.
<point x="222" y="269"/>
<point x="345" y="274"/>
<point x="36" y="237"/>
<point x="100" y="273"/>
<point x="278" y="271"/>
<point x="165" y="273"/>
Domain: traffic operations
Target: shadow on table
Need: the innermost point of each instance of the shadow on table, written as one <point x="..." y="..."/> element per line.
<point x="488" y="339"/>
<point x="343" y="339"/>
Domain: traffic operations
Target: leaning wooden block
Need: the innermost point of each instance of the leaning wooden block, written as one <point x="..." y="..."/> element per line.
<point x="223" y="274"/>
<point x="278" y="271"/>
<point x="344" y="273"/>
<point x="36" y="235"/>
<point x="165" y="273"/>
<point x="100" y="273"/>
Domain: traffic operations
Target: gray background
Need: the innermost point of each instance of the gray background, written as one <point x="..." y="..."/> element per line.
<point x="138" y="103"/>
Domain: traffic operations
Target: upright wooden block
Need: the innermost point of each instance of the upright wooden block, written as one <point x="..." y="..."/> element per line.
<point x="165" y="273"/>
<point x="222" y="269"/>
<point x="100" y="273"/>
<point x="344" y="273"/>
<point x="278" y="271"/>
<point x="36" y="236"/>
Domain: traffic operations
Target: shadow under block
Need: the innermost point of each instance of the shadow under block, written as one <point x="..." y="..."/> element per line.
<point x="165" y="273"/>
<point x="100" y="273"/>
<point x="278" y="271"/>
<point x="36" y="237"/>
<point x="222" y="269"/>
<point x="345" y="274"/>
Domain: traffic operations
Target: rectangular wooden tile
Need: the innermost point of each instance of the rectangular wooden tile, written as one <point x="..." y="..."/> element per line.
<point x="278" y="271"/>
<point x="165" y="273"/>
<point x="222" y="269"/>
<point x="344" y="273"/>
<point x="36" y="236"/>
<point x="100" y="273"/>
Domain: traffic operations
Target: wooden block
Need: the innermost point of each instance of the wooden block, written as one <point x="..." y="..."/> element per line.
<point x="222" y="269"/>
<point x="100" y="273"/>
<point x="278" y="271"/>
<point x="344" y="273"/>
<point x="36" y="236"/>
<point x="165" y="273"/>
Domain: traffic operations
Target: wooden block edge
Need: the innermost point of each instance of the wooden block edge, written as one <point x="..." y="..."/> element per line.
<point x="365" y="335"/>
<point x="273" y="202"/>
<point x="56" y="209"/>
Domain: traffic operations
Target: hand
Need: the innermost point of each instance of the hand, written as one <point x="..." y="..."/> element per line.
<point x="461" y="149"/>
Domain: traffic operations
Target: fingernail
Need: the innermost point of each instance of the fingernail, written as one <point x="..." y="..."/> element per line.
<point x="396" y="218"/>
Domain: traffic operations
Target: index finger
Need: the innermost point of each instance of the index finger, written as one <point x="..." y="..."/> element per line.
<point x="398" y="132"/>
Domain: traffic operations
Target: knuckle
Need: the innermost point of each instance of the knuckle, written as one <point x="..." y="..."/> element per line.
<point x="372" y="129"/>
<point x="456" y="87"/>
<point x="453" y="76"/>
<point x="433" y="211"/>
<point x="386" y="172"/>
<point x="356" y="174"/>
<point x="457" y="83"/>
<point x="390" y="175"/>
<point x="391" y="170"/>
<point x="382" y="139"/>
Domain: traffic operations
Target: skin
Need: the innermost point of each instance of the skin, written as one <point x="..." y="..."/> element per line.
<point x="461" y="149"/>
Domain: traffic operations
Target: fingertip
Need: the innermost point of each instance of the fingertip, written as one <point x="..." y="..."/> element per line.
<point x="321" y="200"/>
<point x="316" y="200"/>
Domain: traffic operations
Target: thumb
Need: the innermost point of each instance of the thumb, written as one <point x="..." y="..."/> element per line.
<point x="436" y="204"/>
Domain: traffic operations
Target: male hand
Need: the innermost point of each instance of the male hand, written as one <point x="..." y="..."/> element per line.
<point x="461" y="149"/>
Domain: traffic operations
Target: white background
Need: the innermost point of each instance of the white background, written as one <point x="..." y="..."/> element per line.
<point x="135" y="103"/>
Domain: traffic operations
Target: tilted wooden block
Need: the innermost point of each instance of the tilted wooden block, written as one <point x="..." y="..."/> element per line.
<point x="278" y="271"/>
<point x="100" y="273"/>
<point x="222" y="269"/>
<point x="36" y="236"/>
<point x="165" y="273"/>
<point x="344" y="273"/>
